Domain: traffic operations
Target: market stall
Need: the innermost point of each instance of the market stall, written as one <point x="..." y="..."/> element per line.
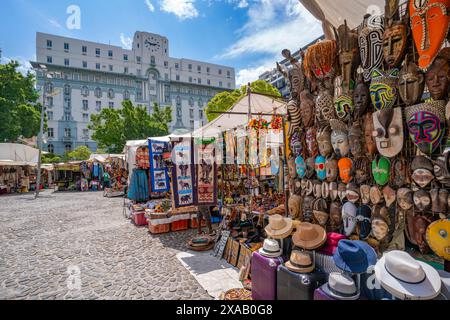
<point x="68" y="176"/>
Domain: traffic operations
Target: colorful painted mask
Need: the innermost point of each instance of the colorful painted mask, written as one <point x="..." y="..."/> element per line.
<point x="292" y="167"/>
<point x="422" y="200"/>
<point x="388" y="133"/>
<point x="355" y="140"/>
<point x="296" y="144"/>
<point x="429" y="24"/>
<point x="318" y="64"/>
<point x="371" y="146"/>
<point x="321" y="171"/>
<point x="405" y="198"/>
<point x="324" y="141"/>
<point x="349" y="218"/>
<point x="422" y="171"/>
<point x="371" y="44"/>
<point x="345" y="169"/>
<point x="438" y="76"/>
<point x="310" y="167"/>
<point x="344" y="107"/>
<point x="363" y="215"/>
<point x="394" y="44"/>
<point x="411" y="83"/>
<point x="339" y="137"/>
<point x="311" y="142"/>
<point x="300" y="166"/>
<point x="331" y="166"/>
<point x="362" y="170"/>
<point x="383" y="88"/>
<point x="361" y="99"/>
<point x="426" y="124"/>
<point x="381" y="167"/>
<point x="307" y="108"/>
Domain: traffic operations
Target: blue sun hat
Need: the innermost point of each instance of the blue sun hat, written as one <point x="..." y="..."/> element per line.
<point x="354" y="256"/>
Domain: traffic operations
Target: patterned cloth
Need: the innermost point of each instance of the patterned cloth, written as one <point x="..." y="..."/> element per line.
<point x="143" y="158"/>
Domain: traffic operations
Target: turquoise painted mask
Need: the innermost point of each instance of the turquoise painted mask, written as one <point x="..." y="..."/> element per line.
<point x="300" y="165"/>
<point x="320" y="168"/>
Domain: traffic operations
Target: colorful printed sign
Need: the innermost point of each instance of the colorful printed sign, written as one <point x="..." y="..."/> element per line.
<point x="159" y="177"/>
<point x="183" y="173"/>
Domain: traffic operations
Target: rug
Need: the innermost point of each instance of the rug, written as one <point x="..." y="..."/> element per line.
<point x="206" y="179"/>
<point x="159" y="177"/>
<point x="183" y="173"/>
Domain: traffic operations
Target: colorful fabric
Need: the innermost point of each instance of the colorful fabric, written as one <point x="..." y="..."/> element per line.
<point x="230" y="144"/>
<point x="159" y="176"/>
<point x="183" y="173"/>
<point x="138" y="190"/>
<point x="241" y="145"/>
<point x="206" y="179"/>
<point x="263" y="157"/>
<point x="143" y="158"/>
<point x="253" y="146"/>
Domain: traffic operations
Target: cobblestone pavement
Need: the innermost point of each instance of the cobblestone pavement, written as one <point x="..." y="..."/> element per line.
<point x="43" y="240"/>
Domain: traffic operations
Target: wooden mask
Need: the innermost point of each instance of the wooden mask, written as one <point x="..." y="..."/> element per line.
<point x="411" y="83"/>
<point x="371" y="146"/>
<point x="355" y="140"/>
<point x="388" y="131"/>
<point x="395" y="36"/>
<point x="324" y="141"/>
<point x="349" y="57"/>
<point x="307" y="108"/>
<point x="339" y="137"/>
<point x="361" y="99"/>
<point x="429" y="24"/>
<point x="438" y="76"/>
<point x="370" y="40"/>
<point x="383" y="88"/>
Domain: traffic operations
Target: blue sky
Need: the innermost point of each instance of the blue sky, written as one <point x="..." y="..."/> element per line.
<point x="245" y="34"/>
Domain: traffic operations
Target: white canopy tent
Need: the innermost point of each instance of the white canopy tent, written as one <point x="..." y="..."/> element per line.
<point x="334" y="12"/>
<point x="18" y="154"/>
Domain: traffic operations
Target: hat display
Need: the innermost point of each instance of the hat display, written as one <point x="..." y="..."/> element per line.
<point x="438" y="238"/>
<point x="354" y="256"/>
<point x="270" y="249"/>
<point x="279" y="227"/>
<point x="300" y="262"/>
<point x="309" y="236"/>
<point x="332" y="243"/>
<point x="406" y="278"/>
<point x="341" y="287"/>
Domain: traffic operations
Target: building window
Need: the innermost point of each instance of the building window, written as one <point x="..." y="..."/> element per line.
<point x="190" y="79"/>
<point x="49" y="87"/>
<point x="49" y="102"/>
<point x="98" y="92"/>
<point x="220" y="71"/>
<point x="152" y="60"/>
<point x="209" y="82"/>
<point x="191" y="113"/>
<point x="67" y="116"/>
<point x="192" y="124"/>
<point x="178" y="77"/>
<point x="49" y="44"/>
<point x="111" y="93"/>
<point x="51" y="148"/>
<point x="50" y="133"/>
<point x="66" y="89"/>
<point x="86" y="134"/>
<point x="126" y="95"/>
<point x="85" y="91"/>
<point x="97" y="66"/>
<point x="85" y="105"/>
<point x="97" y="52"/>
<point x="85" y="117"/>
<point x="177" y="66"/>
<point x="166" y="64"/>
<point x="199" y="69"/>
<point x="220" y="84"/>
<point x="200" y="103"/>
<point x="68" y="147"/>
<point x="85" y="64"/>
<point x="199" y="81"/>
<point x="98" y="106"/>
<point x="111" y="68"/>
<point x="200" y="114"/>
<point x="66" y="46"/>
<point x="125" y="70"/>
<point x="138" y="60"/>
<point x="111" y="105"/>
<point x="125" y="57"/>
<point x="190" y="67"/>
<point x="229" y="85"/>
<point x="49" y="59"/>
<point x="84" y="50"/>
<point x="67" y="133"/>
<point x="49" y="115"/>
<point x="66" y="62"/>
<point x="228" y="74"/>
<point x="207" y="70"/>
<point x="191" y="102"/>
<point x="110" y="53"/>
<point x="166" y="76"/>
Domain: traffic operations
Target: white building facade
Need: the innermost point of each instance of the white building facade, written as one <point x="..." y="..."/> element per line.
<point x="88" y="76"/>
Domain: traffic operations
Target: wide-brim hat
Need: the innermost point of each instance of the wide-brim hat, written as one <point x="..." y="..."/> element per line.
<point x="341" y="287"/>
<point x="279" y="227"/>
<point x="354" y="256"/>
<point x="300" y="262"/>
<point x="270" y="249"/>
<point x="309" y="236"/>
<point x="406" y="278"/>
<point x="332" y="242"/>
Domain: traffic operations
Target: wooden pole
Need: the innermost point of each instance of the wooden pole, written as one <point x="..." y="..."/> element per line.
<point x="283" y="162"/>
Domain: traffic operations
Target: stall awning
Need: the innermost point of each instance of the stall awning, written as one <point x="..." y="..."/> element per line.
<point x="18" y="154"/>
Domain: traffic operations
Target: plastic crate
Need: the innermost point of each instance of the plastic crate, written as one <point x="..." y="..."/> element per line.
<point x="139" y="219"/>
<point x="158" y="229"/>
<point x="194" y="223"/>
<point x="179" y="225"/>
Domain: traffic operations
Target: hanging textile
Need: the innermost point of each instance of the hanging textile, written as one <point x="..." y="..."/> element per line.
<point x="263" y="157"/>
<point x="143" y="158"/>
<point x="241" y="139"/>
<point x="159" y="176"/>
<point x="206" y="173"/>
<point x="220" y="144"/>
<point x="183" y="173"/>
<point x="138" y="190"/>
<point x="230" y="147"/>
<point x="96" y="171"/>
<point x="253" y="147"/>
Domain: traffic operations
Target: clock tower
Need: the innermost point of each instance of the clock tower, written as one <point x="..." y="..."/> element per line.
<point x="150" y="44"/>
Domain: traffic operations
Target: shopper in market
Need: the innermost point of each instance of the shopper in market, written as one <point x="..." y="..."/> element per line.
<point x="204" y="212"/>
<point x="106" y="180"/>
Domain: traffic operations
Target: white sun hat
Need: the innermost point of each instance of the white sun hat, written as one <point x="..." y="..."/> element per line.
<point x="406" y="278"/>
<point x="270" y="249"/>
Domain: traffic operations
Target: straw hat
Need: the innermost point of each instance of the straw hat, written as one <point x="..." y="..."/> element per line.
<point x="300" y="262"/>
<point x="270" y="249"/>
<point x="309" y="236"/>
<point x="341" y="287"/>
<point x="406" y="278"/>
<point x="438" y="238"/>
<point x="279" y="227"/>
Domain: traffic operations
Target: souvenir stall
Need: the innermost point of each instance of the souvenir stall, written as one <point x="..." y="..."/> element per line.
<point x="369" y="170"/>
<point x="68" y="176"/>
<point x="91" y="174"/>
<point x="47" y="176"/>
<point x="115" y="181"/>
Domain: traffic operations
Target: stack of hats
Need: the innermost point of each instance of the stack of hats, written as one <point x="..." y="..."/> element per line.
<point x="279" y="227"/>
<point x="270" y="249"/>
<point x="340" y="287"/>
<point x="201" y="243"/>
<point x="354" y="256"/>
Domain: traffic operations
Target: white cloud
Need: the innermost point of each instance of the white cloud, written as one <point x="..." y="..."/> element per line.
<point x="150" y="6"/>
<point x="127" y="42"/>
<point x="251" y="74"/>
<point x="242" y="4"/>
<point x="183" y="9"/>
<point x="55" y="23"/>
<point x="24" y="64"/>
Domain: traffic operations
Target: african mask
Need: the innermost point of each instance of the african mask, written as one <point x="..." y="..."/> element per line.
<point x="295" y="76"/>
<point x="371" y="146"/>
<point x="439" y="199"/>
<point x="422" y="200"/>
<point x="438" y="238"/>
<point x="310" y="167"/>
<point x="375" y="195"/>
<point x="370" y="40"/>
<point x="399" y="172"/>
<point x="345" y="169"/>
<point x="325" y="110"/>
<point x="381" y="167"/>
<point x="420" y="225"/>
<point x="307" y="208"/>
<point x="320" y="212"/>
<point x="394" y="44"/>
<point x="300" y="166"/>
<point x="339" y="137"/>
<point x="441" y="168"/>
<point x="349" y="57"/>
<point x="405" y="198"/>
<point x="294" y="116"/>
<point x="343" y="105"/>
<point x="426" y="124"/>
<point x="388" y="131"/>
<point x="325" y="190"/>
<point x="411" y="83"/>
<point x="295" y="206"/>
<point x="307" y="108"/>
<point x="363" y="215"/>
<point x="349" y="218"/>
<point x="320" y="61"/>
<point x="443" y="200"/>
<point x="331" y="166"/>
<point x="380" y="228"/>
<point x="292" y="167"/>
<point x="429" y="24"/>
<point x="422" y="171"/>
<point x="309" y="189"/>
<point x="355" y="140"/>
<point x="438" y="76"/>
<point x="317" y="191"/>
<point x="311" y="142"/>
<point x="352" y="192"/>
<point x="296" y="144"/>
<point x="336" y="216"/>
<point x="321" y="171"/>
<point x="342" y="191"/>
<point x="365" y="193"/>
<point x="361" y="99"/>
<point x="383" y="88"/>
<point x="333" y="190"/>
<point x="389" y="195"/>
<point x="361" y="170"/>
<point x="324" y="141"/>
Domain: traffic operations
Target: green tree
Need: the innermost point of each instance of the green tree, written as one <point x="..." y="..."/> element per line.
<point x="223" y="101"/>
<point x="19" y="113"/>
<point x="112" y="128"/>
<point x="51" y="158"/>
<point x="79" y="154"/>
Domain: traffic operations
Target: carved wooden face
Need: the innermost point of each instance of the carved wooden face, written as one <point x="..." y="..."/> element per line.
<point x="388" y="131"/>
<point x="325" y="110"/>
<point x="411" y="83"/>
<point x="355" y="140"/>
<point x="438" y="79"/>
<point x="422" y="200"/>
<point x="324" y="141"/>
<point x="361" y="99"/>
<point x="371" y="146"/>
<point x="307" y="109"/>
<point x="394" y="45"/>
<point x="311" y="141"/>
